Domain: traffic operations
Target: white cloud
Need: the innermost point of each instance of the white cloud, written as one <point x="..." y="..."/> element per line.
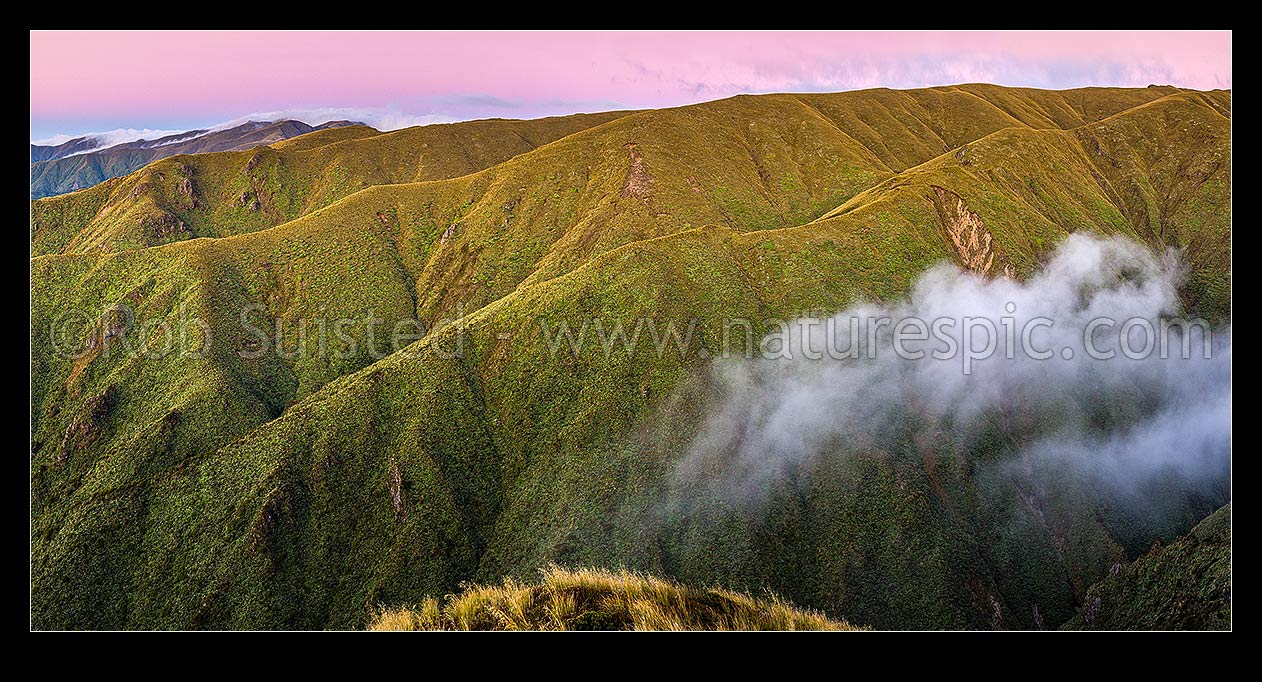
<point x="1121" y="423"/>
<point x="383" y="119"/>
<point x="379" y="118"/>
<point x="110" y="137"/>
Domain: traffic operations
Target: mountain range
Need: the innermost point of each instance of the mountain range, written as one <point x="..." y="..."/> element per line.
<point x="228" y="488"/>
<point x="81" y="162"/>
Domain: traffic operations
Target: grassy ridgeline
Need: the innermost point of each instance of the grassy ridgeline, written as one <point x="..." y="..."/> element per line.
<point x="588" y="599"/>
<point x="226" y="193"/>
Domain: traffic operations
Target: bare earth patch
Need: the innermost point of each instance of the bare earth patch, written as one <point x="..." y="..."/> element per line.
<point x="639" y="183"/>
<point x="965" y="230"/>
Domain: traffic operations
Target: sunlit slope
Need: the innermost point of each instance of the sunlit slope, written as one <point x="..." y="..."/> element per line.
<point x="320" y="138"/>
<point x="215" y="195"/>
<point x="787" y="141"/>
<point x="907" y="127"/>
<point x="171" y="495"/>
<point x="1159" y="173"/>
<point x="448" y="439"/>
<point x="749" y="163"/>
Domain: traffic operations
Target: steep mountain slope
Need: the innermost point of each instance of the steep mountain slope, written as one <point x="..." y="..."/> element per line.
<point x="282" y="490"/>
<point x="1158" y="173"/>
<point x="1184" y="585"/>
<point x="59" y="173"/>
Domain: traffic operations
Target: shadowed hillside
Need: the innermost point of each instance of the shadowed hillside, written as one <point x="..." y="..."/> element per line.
<point x="1183" y="585"/>
<point x="235" y="489"/>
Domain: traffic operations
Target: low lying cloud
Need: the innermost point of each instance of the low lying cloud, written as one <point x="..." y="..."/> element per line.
<point x="383" y="119"/>
<point x="1085" y="399"/>
<point x="109" y="138"/>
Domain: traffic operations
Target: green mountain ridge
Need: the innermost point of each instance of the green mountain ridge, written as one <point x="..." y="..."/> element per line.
<point x="226" y="491"/>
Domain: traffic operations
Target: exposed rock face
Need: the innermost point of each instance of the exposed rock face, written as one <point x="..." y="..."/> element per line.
<point x="448" y="233"/>
<point x="1090" y="613"/>
<point x="961" y="155"/>
<point x="84" y="430"/>
<point x="249" y="202"/>
<point x="968" y="235"/>
<point x="187" y="198"/>
<point x="163" y="227"/>
<point x="276" y="514"/>
<point x="254" y="161"/>
<point x="639" y="183"/>
<point x="396" y="493"/>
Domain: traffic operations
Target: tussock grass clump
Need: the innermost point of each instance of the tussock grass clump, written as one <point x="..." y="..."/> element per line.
<point x="596" y="599"/>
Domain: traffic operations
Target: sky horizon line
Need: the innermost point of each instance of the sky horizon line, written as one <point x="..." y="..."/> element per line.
<point x="95" y="81"/>
<point x="327" y="114"/>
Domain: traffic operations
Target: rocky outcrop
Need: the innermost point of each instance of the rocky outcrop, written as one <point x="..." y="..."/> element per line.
<point x="396" y="493"/>
<point x="249" y="202"/>
<point x="165" y="227"/>
<point x="255" y="159"/>
<point x="85" y="429"/>
<point x="186" y="191"/>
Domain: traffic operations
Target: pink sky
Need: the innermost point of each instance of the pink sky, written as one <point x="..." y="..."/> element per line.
<point x="92" y="81"/>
